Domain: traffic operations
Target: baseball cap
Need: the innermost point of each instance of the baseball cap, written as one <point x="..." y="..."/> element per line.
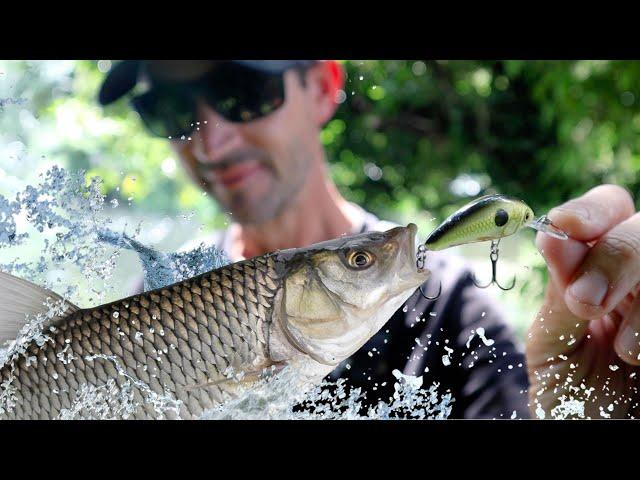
<point x="124" y="76"/>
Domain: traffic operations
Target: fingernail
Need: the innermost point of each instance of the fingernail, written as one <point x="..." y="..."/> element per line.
<point x="628" y="341"/>
<point x="590" y="288"/>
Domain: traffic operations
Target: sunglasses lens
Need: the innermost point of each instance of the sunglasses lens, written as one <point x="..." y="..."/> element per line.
<point x="166" y="113"/>
<point x="238" y="93"/>
<point x="241" y="94"/>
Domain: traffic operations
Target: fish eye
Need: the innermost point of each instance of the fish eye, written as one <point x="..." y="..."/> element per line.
<point x="501" y="218"/>
<point x="359" y="259"/>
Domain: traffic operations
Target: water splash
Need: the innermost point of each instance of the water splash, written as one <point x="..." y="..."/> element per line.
<point x="286" y="396"/>
<point x="33" y="331"/>
<point x="162" y="269"/>
<point x="111" y="401"/>
<point x="62" y="213"/>
<point x="68" y="213"/>
<point x="481" y="333"/>
<point x="569" y="408"/>
<point x="11" y="101"/>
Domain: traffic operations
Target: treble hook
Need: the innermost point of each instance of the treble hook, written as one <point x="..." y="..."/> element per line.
<point x="494" y="262"/>
<point x="431" y="298"/>
<point x="420" y="262"/>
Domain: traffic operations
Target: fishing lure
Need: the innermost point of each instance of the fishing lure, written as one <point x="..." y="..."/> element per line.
<point x="491" y="217"/>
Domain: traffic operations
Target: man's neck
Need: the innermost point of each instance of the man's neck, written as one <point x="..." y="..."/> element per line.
<point x="318" y="212"/>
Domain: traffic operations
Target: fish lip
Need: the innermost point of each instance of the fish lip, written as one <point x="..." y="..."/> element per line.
<point x="422" y="273"/>
<point x="413" y="230"/>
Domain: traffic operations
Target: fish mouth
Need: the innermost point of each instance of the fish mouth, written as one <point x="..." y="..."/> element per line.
<point x="405" y="239"/>
<point x="413" y="230"/>
<point x="409" y="234"/>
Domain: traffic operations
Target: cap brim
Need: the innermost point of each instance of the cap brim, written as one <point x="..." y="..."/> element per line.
<point x="274" y="66"/>
<point x="120" y="80"/>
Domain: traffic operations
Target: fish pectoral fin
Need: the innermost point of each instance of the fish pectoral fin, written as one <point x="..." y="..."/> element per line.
<point x="248" y="377"/>
<point x="20" y="301"/>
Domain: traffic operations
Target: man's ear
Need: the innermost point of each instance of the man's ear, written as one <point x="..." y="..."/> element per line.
<point x="325" y="80"/>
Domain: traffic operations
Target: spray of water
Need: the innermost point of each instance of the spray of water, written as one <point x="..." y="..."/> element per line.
<point x="62" y="213"/>
<point x="285" y="396"/>
<point x="112" y="401"/>
<point x="66" y="211"/>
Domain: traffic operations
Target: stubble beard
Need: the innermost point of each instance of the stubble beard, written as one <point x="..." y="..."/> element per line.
<point x="246" y="210"/>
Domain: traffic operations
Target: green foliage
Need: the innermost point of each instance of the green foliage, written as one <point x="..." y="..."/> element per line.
<point x="541" y="131"/>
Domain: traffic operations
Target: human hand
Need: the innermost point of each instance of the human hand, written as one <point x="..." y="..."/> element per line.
<point x="583" y="348"/>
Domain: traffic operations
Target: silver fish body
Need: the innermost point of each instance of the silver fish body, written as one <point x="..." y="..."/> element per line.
<point x="201" y="340"/>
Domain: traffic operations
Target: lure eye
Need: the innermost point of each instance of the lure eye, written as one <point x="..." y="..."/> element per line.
<point x="359" y="259"/>
<point x="501" y="218"/>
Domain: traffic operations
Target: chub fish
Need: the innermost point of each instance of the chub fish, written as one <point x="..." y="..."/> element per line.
<point x="308" y="308"/>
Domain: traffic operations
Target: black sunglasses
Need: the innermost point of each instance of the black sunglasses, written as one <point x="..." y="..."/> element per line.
<point x="237" y="92"/>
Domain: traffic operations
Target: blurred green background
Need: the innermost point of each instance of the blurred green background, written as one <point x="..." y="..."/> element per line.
<point x="411" y="141"/>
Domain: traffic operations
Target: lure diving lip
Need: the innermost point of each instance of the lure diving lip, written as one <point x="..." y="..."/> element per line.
<point x="544" y="224"/>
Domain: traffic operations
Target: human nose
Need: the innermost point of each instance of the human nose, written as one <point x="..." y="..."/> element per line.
<point x="217" y="135"/>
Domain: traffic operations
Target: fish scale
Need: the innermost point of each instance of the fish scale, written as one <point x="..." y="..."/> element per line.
<point x="181" y="349"/>
<point x="203" y="320"/>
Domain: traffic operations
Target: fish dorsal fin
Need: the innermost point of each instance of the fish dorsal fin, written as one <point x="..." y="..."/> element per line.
<point x="20" y="301"/>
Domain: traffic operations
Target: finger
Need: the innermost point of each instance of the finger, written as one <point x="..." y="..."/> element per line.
<point x="588" y="217"/>
<point x="624" y="307"/>
<point x="627" y="342"/>
<point x="557" y="329"/>
<point x="609" y="272"/>
<point x="563" y="257"/>
<point x="584" y="219"/>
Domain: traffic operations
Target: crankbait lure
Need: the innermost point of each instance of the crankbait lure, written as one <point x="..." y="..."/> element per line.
<point x="491" y="217"/>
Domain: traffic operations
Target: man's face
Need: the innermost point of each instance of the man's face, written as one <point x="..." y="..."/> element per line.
<point x="252" y="169"/>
